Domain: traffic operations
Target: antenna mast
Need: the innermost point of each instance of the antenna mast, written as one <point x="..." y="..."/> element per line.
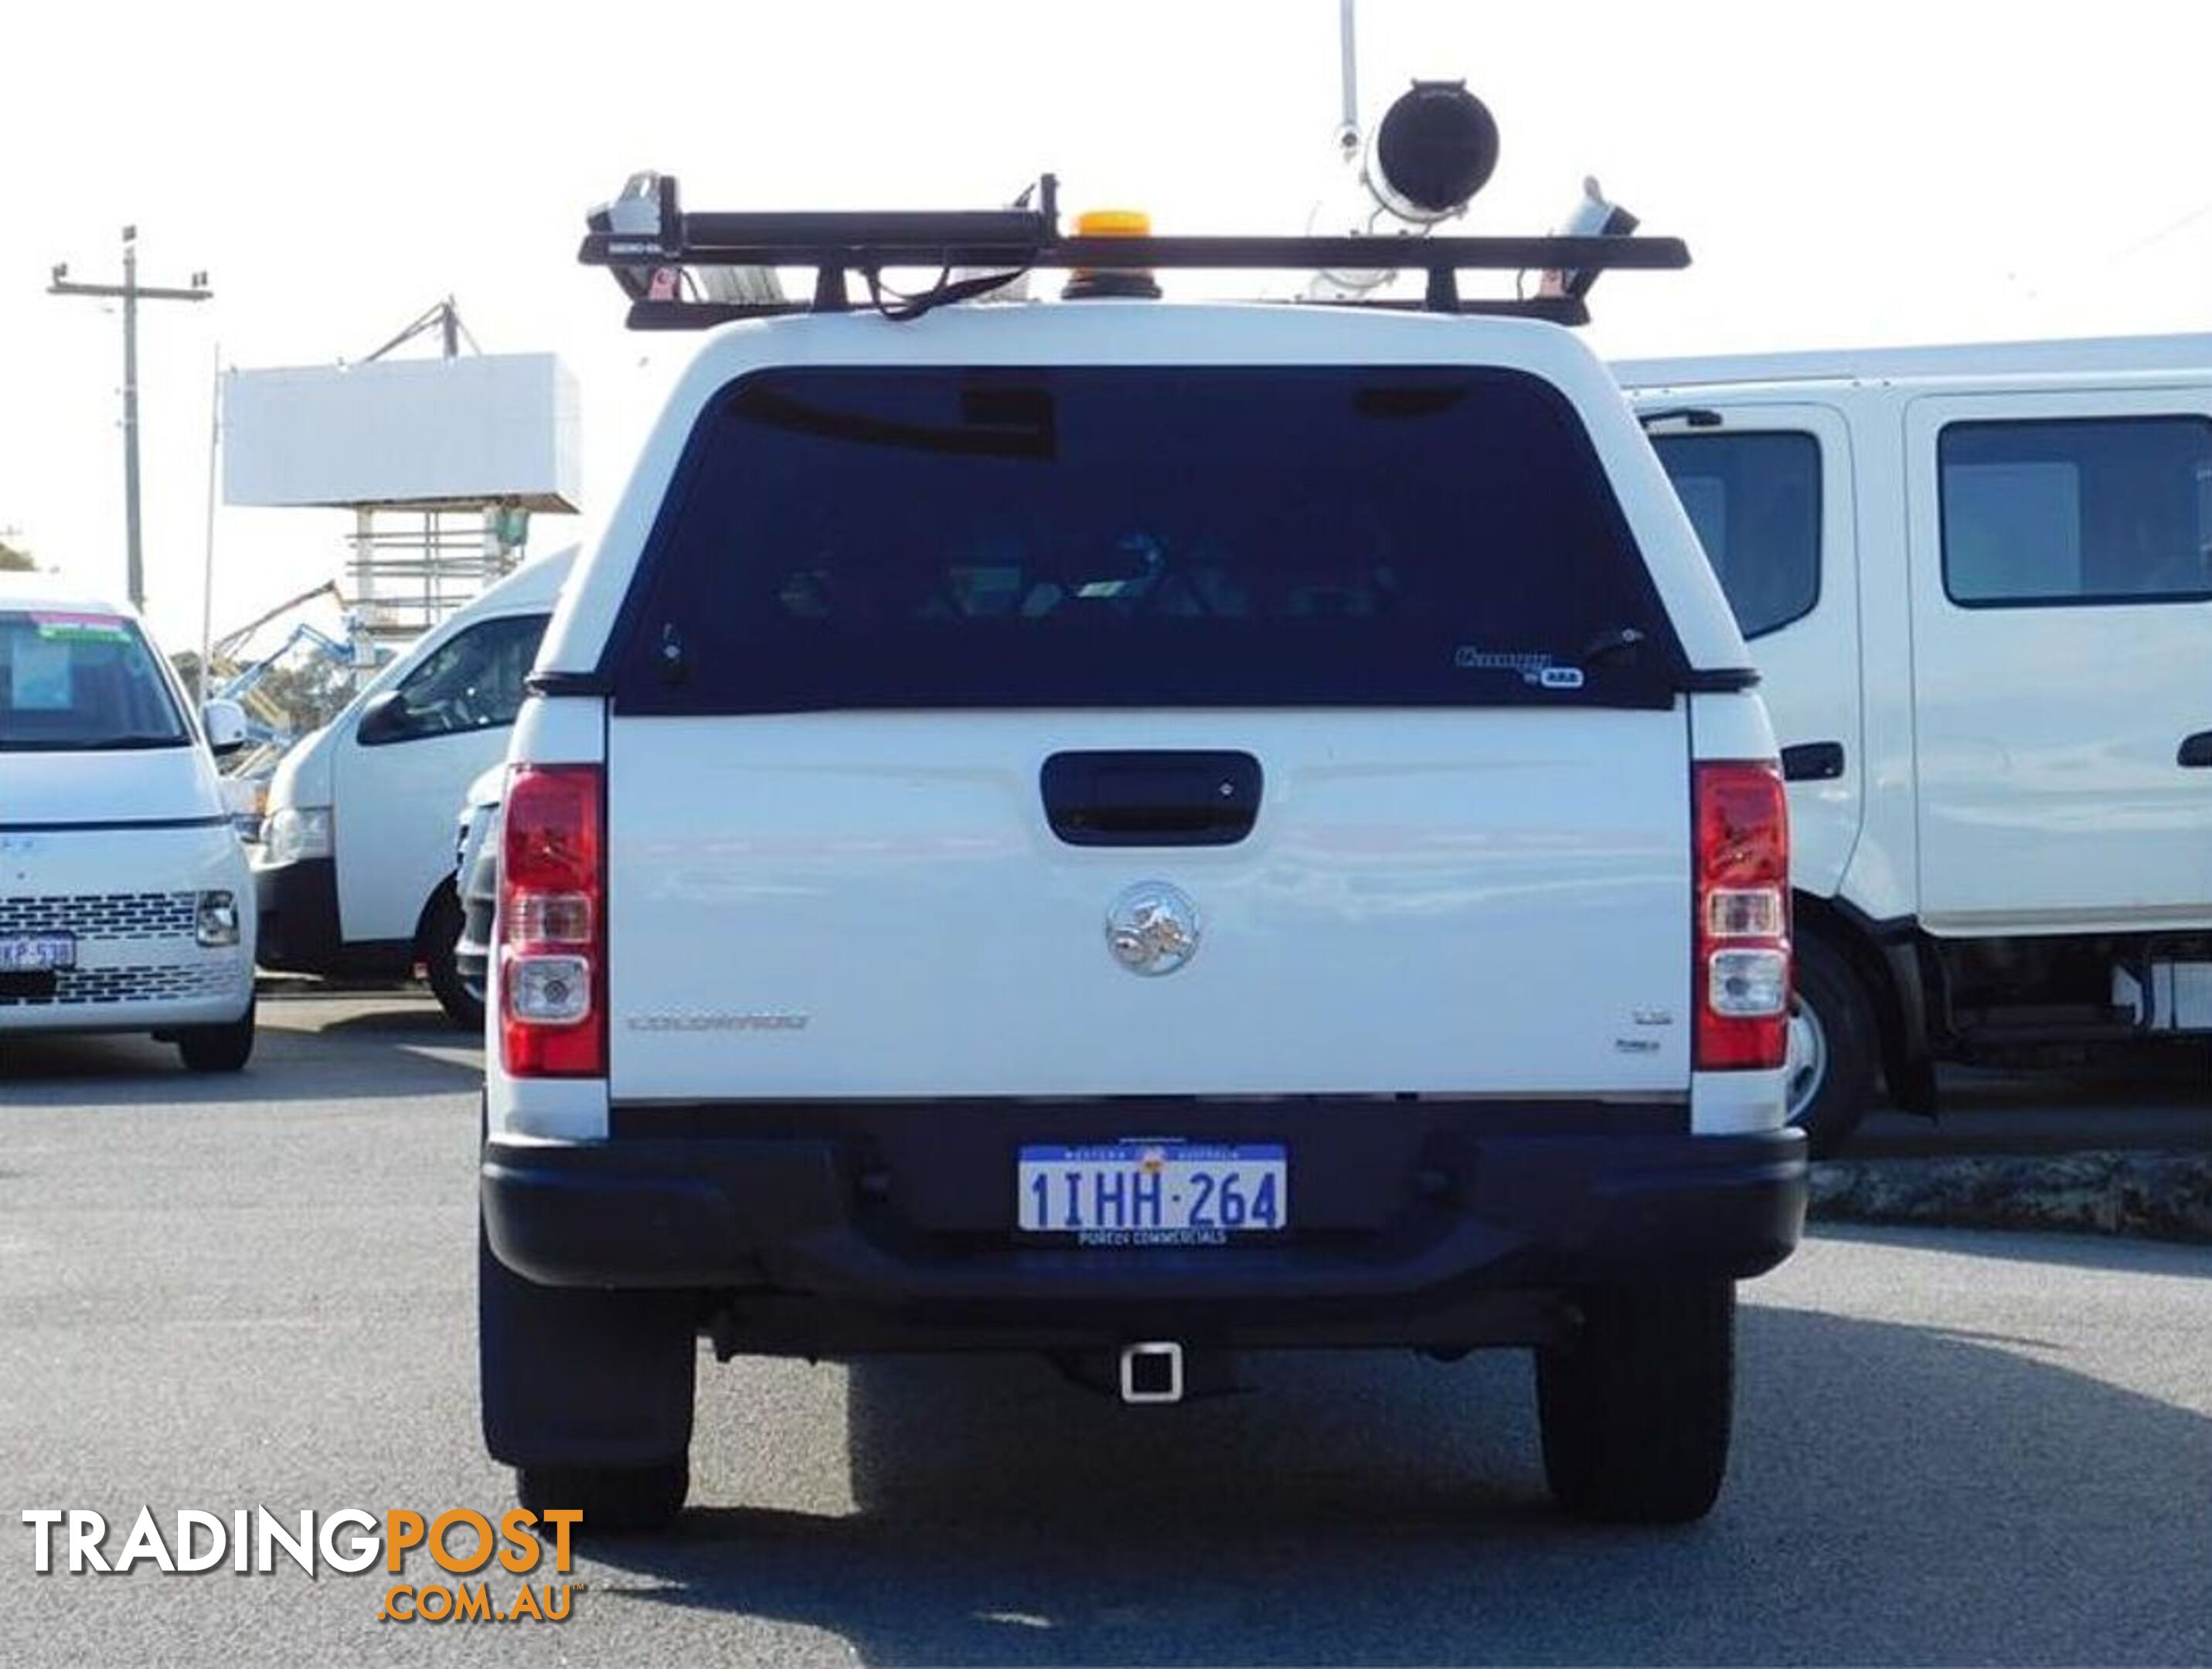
<point x="1347" y="127"/>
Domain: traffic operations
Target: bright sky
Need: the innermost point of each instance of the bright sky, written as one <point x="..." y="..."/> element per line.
<point x="1862" y="172"/>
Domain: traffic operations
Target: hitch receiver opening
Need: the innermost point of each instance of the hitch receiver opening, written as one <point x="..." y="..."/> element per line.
<point x="1152" y="1372"/>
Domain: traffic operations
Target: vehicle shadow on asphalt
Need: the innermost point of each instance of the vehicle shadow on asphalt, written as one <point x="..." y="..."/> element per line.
<point x="2150" y="1099"/>
<point x="338" y="1061"/>
<point x="2177" y="1073"/>
<point x="1898" y="1494"/>
<point x="430" y="1025"/>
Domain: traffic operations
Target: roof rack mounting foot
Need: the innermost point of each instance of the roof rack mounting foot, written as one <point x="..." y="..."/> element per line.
<point x="830" y="293"/>
<point x="1442" y="296"/>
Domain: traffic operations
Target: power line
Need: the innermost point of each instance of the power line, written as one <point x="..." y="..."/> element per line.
<point x="2164" y="232"/>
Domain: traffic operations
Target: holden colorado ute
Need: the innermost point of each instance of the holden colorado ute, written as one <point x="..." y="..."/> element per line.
<point x="1138" y="832"/>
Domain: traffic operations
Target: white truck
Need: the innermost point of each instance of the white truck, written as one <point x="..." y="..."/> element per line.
<point x="1136" y="832"/>
<point x="1978" y="585"/>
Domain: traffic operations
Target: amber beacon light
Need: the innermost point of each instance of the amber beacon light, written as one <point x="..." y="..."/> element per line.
<point x="1090" y="283"/>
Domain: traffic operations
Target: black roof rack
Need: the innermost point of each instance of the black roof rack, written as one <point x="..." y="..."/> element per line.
<point x="649" y="240"/>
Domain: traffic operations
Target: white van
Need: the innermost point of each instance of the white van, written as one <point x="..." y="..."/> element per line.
<point x="1977" y="583"/>
<point x="123" y="886"/>
<point x="355" y="871"/>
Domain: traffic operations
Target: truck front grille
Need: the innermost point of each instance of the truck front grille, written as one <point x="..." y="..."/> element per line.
<point x="154" y="915"/>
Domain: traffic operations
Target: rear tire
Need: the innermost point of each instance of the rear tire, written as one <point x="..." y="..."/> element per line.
<point x="216" y="1048"/>
<point x="614" y="1500"/>
<point x="1636" y="1408"/>
<point x="441" y="930"/>
<point x="1833" y="1048"/>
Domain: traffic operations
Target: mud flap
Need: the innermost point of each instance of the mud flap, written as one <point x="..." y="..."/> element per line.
<point x="582" y="1376"/>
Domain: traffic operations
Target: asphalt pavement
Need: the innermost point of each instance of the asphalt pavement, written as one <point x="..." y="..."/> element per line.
<point x="1951" y="1447"/>
<point x="2158" y="1099"/>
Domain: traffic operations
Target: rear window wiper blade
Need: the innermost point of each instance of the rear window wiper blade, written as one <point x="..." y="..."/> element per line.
<point x="1619" y="644"/>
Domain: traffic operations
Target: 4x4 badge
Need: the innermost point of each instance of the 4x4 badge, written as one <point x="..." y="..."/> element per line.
<point x="1152" y="928"/>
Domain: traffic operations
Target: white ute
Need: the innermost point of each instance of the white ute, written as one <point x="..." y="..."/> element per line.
<point x="1138" y="832"/>
<point x="124" y="900"/>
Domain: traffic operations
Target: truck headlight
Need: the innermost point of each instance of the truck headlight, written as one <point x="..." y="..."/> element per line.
<point x="217" y="923"/>
<point x="295" y="833"/>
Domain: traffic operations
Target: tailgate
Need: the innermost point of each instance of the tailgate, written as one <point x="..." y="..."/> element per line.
<point x="1467" y="901"/>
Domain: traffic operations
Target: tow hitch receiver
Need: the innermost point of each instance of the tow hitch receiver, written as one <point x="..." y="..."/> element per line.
<point x="1152" y="1372"/>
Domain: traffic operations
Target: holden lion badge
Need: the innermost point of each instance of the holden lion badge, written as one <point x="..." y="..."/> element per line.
<point x="1152" y="928"/>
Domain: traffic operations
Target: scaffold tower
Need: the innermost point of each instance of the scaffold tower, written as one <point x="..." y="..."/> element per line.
<point x="442" y="462"/>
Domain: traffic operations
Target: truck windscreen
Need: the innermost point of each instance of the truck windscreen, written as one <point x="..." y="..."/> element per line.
<point x="72" y="682"/>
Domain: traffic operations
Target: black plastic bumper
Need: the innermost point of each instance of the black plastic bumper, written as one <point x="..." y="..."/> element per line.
<point x="298" y="904"/>
<point x="865" y="1227"/>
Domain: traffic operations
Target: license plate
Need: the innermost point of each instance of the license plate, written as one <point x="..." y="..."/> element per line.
<point x="42" y="955"/>
<point x="1153" y="1193"/>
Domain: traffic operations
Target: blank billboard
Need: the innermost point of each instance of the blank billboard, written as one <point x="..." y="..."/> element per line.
<point x="501" y="427"/>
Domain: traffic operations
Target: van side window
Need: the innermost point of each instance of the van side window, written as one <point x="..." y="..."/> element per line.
<point x="474" y="682"/>
<point x="2070" y="510"/>
<point x="1755" y="498"/>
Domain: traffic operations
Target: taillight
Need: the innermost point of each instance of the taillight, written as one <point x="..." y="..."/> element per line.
<point x="552" y="916"/>
<point x="1742" y="975"/>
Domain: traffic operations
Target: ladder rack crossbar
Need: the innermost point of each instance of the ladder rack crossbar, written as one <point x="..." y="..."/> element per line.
<point x="868" y="245"/>
<point x="647" y="238"/>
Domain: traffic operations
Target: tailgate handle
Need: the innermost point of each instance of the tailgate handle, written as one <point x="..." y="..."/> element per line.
<point x="1812" y="762"/>
<point x="1150" y="798"/>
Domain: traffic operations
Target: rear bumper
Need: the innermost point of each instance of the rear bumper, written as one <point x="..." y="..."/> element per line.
<point x="882" y="1227"/>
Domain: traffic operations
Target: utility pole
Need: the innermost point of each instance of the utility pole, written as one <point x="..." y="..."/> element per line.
<point x="131" y="292"/>
<point x="207" y="564"/>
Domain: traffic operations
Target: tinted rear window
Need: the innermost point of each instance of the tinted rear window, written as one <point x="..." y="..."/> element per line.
<point x="1091" y="537"/>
